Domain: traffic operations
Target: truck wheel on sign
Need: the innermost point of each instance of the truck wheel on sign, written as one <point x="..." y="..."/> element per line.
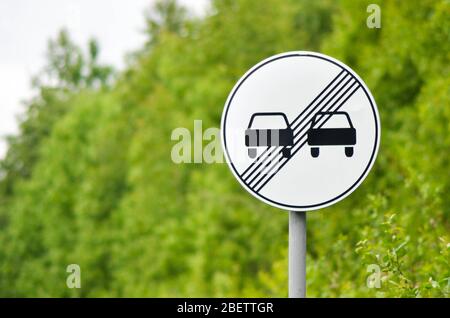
<point x="252" y="152"/>
<point x="315" y="152"/>
<point x="349" y="151"/>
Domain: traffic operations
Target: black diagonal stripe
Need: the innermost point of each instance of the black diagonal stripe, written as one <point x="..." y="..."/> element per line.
<point x="298" y="149"/>
<point x="309" y="122"/>
<point x="331" y="99"/>
<point x="257" y="168"/>
<point x="318" y="96"/>
<point x="310" y="104"/>
<point x="257" y="159"/>
<point x="261" y="170"/>
<point x="262" y="161"/>
<point x="325" y="97"/>
<point x="329" y="108"/>
<point x="284" y="162"/>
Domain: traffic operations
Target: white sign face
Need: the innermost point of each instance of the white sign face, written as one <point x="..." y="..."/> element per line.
<point x="300" y="131"/>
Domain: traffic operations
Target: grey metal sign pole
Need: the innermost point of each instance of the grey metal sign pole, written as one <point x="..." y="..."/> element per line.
<point x="297" y="254"/>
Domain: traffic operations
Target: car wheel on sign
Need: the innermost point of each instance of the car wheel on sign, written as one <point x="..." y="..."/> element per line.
<point x="286" y="152"/>
<point x="349" y="151"/>
<point x="315" y="152"/>
<point x="252" y="152"/>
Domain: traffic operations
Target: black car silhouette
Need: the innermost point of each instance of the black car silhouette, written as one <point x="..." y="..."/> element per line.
<point x="280" y="135"/>
<point x="331" y="135"/>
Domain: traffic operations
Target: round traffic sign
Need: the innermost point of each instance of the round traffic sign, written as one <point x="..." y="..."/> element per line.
<point x="300" y="131"/>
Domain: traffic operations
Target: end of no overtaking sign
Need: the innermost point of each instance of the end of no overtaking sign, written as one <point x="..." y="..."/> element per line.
<point x="300" y="131"/>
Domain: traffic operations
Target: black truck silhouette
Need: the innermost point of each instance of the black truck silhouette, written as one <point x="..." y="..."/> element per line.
<point x="281" y="135"/>
<point x="332" y="136"/>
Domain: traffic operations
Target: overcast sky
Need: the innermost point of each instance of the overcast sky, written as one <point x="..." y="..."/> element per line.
<point x="26" y="26"/>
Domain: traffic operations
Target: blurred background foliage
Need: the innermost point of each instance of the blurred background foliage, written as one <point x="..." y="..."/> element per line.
<point x="89" y="179"/>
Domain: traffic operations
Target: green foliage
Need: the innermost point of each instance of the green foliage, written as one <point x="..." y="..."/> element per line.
<point x="67" y="72"/>
<point x="90" y="180"/>
<point x="69" y="68"/>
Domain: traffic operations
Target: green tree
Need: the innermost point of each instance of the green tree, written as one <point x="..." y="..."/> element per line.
<point x="89" y="179"/>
